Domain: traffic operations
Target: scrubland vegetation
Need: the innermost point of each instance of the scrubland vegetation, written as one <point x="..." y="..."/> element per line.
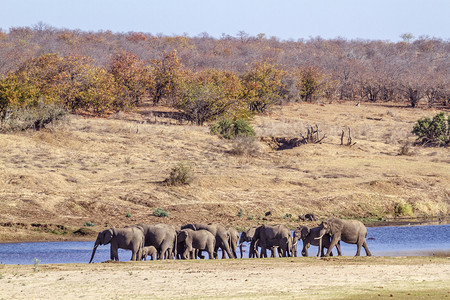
<point x="311" y="126"/>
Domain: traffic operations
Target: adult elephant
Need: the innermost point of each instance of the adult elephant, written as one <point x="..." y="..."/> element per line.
<point x="220" y="233"/>
<point x="270" y="236"/>
<point x="309" y="235"/>
<point x="348" y="231"/>
<point x="161" y="236"/>
<point x="247" y="236"/>
<point x="130" y="238"/>
<point x="233" y="239"/>
<point x="194" y="242"/>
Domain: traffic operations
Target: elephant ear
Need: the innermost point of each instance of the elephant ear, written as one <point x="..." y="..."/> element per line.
<point x="304" y="232"/>
<point x="182" y="236"/>
<point x="107" y="236"/>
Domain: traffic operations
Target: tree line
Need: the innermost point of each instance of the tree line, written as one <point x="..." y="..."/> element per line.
<point x="207" y="78"/>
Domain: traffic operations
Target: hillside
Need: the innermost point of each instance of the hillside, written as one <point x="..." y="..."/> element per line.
<point x="111" y="171"/>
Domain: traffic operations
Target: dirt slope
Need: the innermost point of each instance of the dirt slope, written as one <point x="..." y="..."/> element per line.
<point x="110" y="171"/>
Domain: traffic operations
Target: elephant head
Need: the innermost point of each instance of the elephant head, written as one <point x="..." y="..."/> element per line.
<point x="181" y="239"/>
<point x="103" y="238"/>
<point x="325" y="227"/>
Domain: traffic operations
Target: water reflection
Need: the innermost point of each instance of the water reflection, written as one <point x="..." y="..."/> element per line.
<point x="382" y="241"/>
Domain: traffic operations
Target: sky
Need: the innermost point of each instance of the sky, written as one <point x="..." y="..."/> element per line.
<point x="284" y="19"/>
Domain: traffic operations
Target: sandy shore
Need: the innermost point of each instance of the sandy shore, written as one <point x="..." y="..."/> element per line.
<point x="299" y="278"/>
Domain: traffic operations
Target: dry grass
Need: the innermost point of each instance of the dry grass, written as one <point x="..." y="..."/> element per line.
<point x="99" y="169"/>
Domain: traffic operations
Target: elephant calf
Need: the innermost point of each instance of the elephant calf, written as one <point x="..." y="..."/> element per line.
<point x="193" y="240"/>
<point x="149" y="251"/>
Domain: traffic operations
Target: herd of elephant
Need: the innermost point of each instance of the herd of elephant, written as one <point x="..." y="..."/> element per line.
<point x="163" y="241"/>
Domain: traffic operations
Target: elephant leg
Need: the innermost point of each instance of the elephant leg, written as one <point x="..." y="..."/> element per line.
<point x="305" y="250"/>
<point x="366" y="249"/>
<point x="338" y="247"/>
<point x="334" y="241"/>
<point x="358" y="249"/>
<point x="223" y="254"/>
<point x="114" y="253"/>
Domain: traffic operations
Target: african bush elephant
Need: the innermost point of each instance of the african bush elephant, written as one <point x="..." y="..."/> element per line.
<point x="219" y="232"/>
<point x="269" y="236"/>
<point x="195" y="241"/>
<point x="130" y="238"/>
<point x="233" y="238"/>
<point x="348" y="231"/>
<point x="161" y="236"/>
<point x="309" y="235"/>
<point x="247" y="236"/>
<point x="149" y="251"/>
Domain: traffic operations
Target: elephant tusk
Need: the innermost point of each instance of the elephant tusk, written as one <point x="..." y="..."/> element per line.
<point x="318" y="238"/>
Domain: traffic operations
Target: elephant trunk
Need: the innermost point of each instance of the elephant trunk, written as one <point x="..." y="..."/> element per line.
<point x="93" y="251"/>
<point x="240" y="248"/>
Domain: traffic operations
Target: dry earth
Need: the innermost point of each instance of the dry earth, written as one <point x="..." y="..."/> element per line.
<point x="280" y="278"/>
<point x="110" y="171"/>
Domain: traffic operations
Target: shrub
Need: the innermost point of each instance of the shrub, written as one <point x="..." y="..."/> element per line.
<point x="433" y="132"/>
<point x="244" y="145"/>
<point x="403" y="209"/>
<point x="36" y="263"/>
<point x="89" y="224"/>
<point x="128" y="215"/>
<point x="31" y="117"/>
<point x="180" y="174"/>
<point x="159" y="212"/>
<point x="230" y="129"/>
<point x="240" y="213"/>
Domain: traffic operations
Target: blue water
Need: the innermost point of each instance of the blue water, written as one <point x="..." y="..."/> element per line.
<point x="382" y="241"/>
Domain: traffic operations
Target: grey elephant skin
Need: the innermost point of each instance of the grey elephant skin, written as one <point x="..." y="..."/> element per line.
<point x="193" y="242"/>
<point x="348" y="231"/>
<point x="149" y="251"/>
<point x="309" y="235"/>
<point x="246" y="237"/>
<point x="161" y="236"/>
<point x="220" y="233"/>
<point x="130" y="238"/>
<point x="270" y="236"/>
<point x="233" y="239"/>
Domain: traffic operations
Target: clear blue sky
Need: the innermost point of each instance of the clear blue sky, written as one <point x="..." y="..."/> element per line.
<point x="294" y="19"/>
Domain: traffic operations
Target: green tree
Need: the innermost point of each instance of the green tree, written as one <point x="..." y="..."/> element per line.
<point x="434" y="131"/>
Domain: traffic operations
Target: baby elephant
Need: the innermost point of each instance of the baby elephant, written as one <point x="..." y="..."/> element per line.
<point x="193" y="240"/>
<point x="309" y="235"/>
<point x="149" y="251"/>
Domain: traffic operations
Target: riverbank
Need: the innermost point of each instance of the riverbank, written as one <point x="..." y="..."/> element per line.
<point x="73" y="180"/>
<point x="29" y="233"/>
<point x="285" y="278"/>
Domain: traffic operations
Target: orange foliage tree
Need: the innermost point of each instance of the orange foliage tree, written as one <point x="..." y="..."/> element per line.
<point x="70" y="81"/>
<point x="168" y="73"/>
<point x="132" y="76"/>
<point x="261" y="85"/>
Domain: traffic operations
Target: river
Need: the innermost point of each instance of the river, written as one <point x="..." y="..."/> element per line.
<point x="382" y="241"/>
